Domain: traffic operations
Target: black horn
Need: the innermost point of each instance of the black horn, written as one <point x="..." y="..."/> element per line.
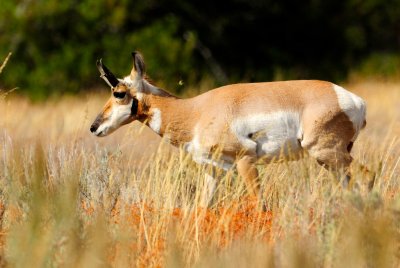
<point x="106" y="74"/>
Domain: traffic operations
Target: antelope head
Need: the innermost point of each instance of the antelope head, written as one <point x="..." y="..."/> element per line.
<point x="123" y="105"/>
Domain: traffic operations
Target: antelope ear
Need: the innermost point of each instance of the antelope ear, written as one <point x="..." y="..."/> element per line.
<point x="106" y="74"/>
<point x="139" y="68"/>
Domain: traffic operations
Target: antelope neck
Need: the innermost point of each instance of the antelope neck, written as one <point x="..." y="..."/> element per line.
<point x="170" y="116"/>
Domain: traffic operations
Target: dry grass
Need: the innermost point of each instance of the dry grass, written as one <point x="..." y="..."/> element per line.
<point x="70" y="199"/>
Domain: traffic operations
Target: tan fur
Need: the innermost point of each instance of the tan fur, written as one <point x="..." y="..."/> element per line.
<point x="327" y="131"/>
<point x="178" y="117"/>
<point x="247" y="169"/>
<point x="107" y="108"/>
<point x="212" y="110"/>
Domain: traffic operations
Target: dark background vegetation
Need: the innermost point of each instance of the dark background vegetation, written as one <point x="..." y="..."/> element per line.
<point x="55" y="43"/>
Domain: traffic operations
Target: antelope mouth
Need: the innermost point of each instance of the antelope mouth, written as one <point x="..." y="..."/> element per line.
<point x="98" y="130"/>
<point x="100" y="133"/>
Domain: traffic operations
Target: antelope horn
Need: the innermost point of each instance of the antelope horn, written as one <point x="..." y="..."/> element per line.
<point x="106" y="74"/>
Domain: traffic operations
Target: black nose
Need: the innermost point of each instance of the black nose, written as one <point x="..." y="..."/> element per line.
<point x="93" y="128"/>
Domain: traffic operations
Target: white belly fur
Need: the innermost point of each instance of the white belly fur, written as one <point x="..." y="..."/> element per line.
<point x="202" y="155"/>
<point x="271" y="135"/>
<point x="274" y="135"/>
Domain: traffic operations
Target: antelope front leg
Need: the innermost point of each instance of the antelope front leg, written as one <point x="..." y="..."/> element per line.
<point x="210" y="184"/>
<point x="247" y="169"/>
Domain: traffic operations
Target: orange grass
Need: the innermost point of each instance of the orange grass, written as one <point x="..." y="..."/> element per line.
<point x="236" y="222"/>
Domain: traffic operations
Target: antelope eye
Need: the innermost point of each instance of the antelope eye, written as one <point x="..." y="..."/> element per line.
<point x="119" y="95"/>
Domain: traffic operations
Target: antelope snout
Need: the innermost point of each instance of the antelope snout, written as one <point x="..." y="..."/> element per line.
<point x="94" y="127"/>
<point x="96" y="124"/>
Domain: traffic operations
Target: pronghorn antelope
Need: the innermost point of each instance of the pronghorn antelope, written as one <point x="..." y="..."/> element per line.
<point x="251" y="123"/>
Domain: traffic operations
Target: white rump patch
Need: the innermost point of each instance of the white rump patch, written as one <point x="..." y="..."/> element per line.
<point x="353" y="106"/>
<point x="271" y="134"/>
<point x="155" y="120"/>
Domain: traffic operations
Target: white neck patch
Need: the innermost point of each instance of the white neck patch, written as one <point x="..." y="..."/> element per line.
<point x="155" y="120"/>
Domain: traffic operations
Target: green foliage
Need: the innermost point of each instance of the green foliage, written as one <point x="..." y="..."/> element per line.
<point x="56" y="42"/>
<point x="4" y="93"/>
<point x="379" y="65"/>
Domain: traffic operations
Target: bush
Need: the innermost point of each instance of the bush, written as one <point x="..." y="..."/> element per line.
<point x="379" y="66"/>
<point x="56" y="44"/>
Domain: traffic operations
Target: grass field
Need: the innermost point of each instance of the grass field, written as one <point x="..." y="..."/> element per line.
<point x="70" y="199"/>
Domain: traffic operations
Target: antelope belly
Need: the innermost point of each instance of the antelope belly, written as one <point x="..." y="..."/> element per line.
<point x="269" y="135"/>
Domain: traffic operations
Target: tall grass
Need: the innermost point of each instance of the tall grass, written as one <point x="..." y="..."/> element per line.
<point x="70" y="199"/>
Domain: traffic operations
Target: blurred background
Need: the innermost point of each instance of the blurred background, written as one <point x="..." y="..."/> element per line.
<point x="55" y="43"/>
